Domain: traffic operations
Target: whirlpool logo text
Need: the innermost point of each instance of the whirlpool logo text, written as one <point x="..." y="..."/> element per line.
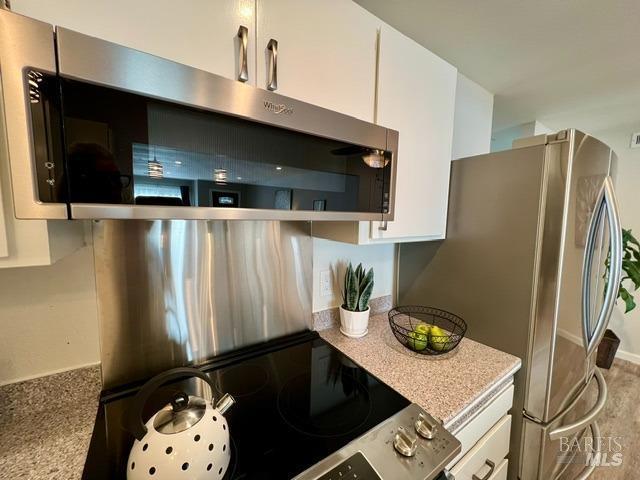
<point x="278" y="108"/>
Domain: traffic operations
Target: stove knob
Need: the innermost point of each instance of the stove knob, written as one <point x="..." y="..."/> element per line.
<point x="405" y="443"/>
<point x="425" y="426"/>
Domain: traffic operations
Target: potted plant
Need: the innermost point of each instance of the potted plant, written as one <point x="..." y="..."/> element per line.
<point x="631" y="268"/>
<point x="356" y="292"/>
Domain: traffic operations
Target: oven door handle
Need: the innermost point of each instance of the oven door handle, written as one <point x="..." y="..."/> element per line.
<point x="25" y="44"/>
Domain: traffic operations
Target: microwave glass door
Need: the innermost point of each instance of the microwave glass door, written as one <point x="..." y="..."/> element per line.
<point x="127" y="149"/>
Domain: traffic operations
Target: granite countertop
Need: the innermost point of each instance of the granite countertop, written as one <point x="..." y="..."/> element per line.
<point x="451" y="387"/>
<point x="46" y="425"/>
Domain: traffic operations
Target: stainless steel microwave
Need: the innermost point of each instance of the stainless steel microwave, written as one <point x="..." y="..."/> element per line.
<point x="98" y="130"/>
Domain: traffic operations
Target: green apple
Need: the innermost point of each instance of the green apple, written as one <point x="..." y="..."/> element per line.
<point x="422" y="328"/>
<point x="417" y="341"/>
<point x="438" y="339"/>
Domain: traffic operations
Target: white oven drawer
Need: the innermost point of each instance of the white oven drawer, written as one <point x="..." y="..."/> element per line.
<point x="490" y="450"/>
<point x="476" y="428"/>
<point x="500" y="472"/>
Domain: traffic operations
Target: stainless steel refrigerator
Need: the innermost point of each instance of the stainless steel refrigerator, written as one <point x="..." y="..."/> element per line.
<point x="530" y="232"/>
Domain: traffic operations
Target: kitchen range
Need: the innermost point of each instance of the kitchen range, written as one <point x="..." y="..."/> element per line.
<point x="302" y="410"/>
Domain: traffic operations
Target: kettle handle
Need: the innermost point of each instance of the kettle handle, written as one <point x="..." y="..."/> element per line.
<point x="133" y="420"/>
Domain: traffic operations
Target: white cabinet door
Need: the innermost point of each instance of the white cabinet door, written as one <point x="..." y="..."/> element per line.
<point x="200" y="33"/>
<point x="326" y="52"/>
<point x="416" y="96"/>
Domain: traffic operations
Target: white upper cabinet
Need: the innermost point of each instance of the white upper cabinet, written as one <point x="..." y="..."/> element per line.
<point x="199" y="33"/>
<point x="326" y="53"/>
<point x="416" y="96"/>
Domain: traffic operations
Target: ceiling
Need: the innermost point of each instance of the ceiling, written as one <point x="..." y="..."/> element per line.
<point x="562" y="62"/>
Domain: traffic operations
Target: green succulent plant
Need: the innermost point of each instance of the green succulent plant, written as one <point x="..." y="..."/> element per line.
<point x="358" y="286"/>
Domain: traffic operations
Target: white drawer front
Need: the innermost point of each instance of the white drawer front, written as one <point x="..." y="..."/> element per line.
<point x="500" y="472"/>
<point x="477" y="427"/>
<point x="494" y="446"/>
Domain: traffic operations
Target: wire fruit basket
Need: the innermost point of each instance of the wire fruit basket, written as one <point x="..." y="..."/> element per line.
<point x="426" y="330"/>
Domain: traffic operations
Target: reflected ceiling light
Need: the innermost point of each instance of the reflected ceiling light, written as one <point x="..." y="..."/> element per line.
<point x="246" y="11"/>
<point x="375" y="158"/>
<point x="178" y="162"/>
<point x="239" y="178"/>
<point x="278" y="168"/>
<point x="220" y="175"/>
<point x="155" y="168"/>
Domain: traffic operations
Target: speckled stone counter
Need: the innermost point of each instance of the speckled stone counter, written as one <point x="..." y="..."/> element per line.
<point x="450" y="387"/>
<point x="46" y="425"/>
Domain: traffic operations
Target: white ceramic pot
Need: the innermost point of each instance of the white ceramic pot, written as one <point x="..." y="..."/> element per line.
<point x="354" y="324"/>
<point x="188" y="438"/>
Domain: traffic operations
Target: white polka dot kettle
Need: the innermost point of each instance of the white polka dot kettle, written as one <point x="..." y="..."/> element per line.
<point x="188" y="438"/>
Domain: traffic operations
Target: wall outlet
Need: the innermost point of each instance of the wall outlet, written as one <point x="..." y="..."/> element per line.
<point x="326" y="283"/>
<point x="635" y="140"/>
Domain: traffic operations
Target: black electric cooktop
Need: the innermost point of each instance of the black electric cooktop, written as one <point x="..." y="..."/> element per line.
<point x="298" y="399"/>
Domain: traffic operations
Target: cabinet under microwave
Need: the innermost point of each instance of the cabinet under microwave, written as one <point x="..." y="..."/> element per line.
<point x="98" y="130"/>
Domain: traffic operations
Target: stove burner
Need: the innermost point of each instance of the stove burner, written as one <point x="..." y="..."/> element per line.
<point x="329" y="408"/>
<point x="242" y="380"/>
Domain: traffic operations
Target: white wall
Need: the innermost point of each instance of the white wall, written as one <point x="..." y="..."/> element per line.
<point x="473" y="119"/>
<point x="334" y="256"/>
<point x="48" y="318"/>
<point x="503" y="139"/>
<point x="627" y="327"/>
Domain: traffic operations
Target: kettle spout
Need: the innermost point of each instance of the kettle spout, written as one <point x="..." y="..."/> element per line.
<point x="225" y="403"/>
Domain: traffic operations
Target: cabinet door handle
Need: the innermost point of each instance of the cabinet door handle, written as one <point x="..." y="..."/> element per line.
<point x="487" y="463"/>
<point x="243" y="35"/>
<point x="272" y="48"/>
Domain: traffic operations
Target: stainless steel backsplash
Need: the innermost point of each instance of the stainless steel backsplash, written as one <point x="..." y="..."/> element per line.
<point x="177" y="292"/>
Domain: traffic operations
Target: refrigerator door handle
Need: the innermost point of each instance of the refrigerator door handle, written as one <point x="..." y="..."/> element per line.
<point x="606" y="202"/>
<point x="590" y="417"/>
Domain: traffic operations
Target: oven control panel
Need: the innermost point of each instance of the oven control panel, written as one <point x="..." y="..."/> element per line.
<point x="411" y="445"/>
<point x="356" y="467"/>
